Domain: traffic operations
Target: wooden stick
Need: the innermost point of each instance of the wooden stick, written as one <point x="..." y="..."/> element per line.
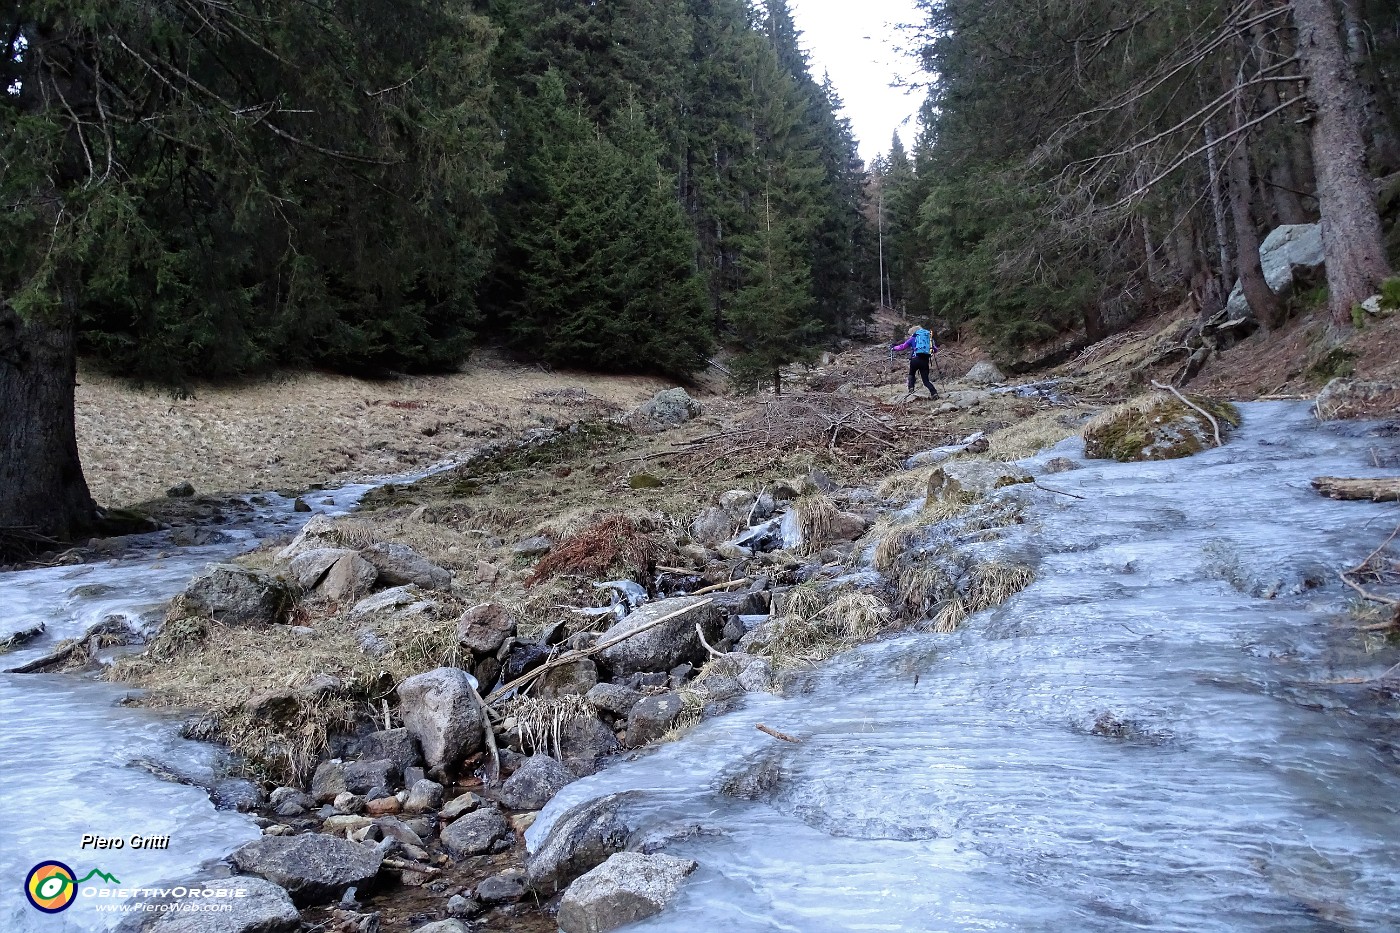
<point x="1186" y="401"/>
<point x="1060" y="491"/>
<point x="777" y="735"/>
<point x="722" y="586"/>
<point x="701" y="632"/>
<point x="400" y="865"/>
<point x="489" y="733"/>
<point x="571" y="656"/>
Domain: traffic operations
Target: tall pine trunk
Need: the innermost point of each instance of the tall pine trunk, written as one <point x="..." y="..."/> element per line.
<point x="42" y="489"/>
<point x="1267" y="308"/>
<point x="1351" y="225"/>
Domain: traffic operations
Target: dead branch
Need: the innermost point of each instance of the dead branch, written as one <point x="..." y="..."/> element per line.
<point x="489" y="732"/>
<point x="722" y="586"/>
<point x="1215" y="425"/>
<point x="701" y="633"/>
<point x="777" y="735"/>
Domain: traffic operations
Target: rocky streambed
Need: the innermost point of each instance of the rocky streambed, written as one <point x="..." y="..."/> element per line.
<point x="1134" y="720"/>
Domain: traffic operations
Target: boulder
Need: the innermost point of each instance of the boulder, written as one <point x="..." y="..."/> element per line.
<point x="534" y="783"/>
<point x="573" y="679"/>
<point x="738" y="503"/>
<point x="757" y="676"/>
<point x="712" y="526"/>
<point x="962" y="479"/>
<point x="925" y="458"/>
<point x="406" y="598"/>
<point x="328" y="782"/>
<point x="483" y="629"/>
<point x="666" y="645"/>
<point x="612" y="698"/>
<point x="318" y="532"/>
<point x="475" y="833"/>
<point x="1354" y="398"/>
<point x="348" y="578"/>
<point x="583" y="740"/>
<point x="254" y="905"/>
<point x="400" y="565"/>
<point x="233" y="595"/>
<point x="845" y="526"/>
<point x="310" y="567"/>
<point x="362" y="776"/>
<point x="538" y="546"/>
<point x="443" y="926"/>
<point x="651" y="718"/>
<point x="1157" y="427"/>
<point x="439" y="709"/>
<point x="1061" y="465"/>
<point x="580" y="840"/>
<point x="505" y="888"/>
<point x="396" y="745"/>
<point x="237" y="794"/>
<point x="314" y="868"/>
<point x="626" y="888"/>
<point x="423" y="796"/>
<point x="665" y="409"/>
<point x="459" y="805"/>
<point x="1289" y="254"/>
<point x="984" y="374"/>
<point x="180" y="490"/>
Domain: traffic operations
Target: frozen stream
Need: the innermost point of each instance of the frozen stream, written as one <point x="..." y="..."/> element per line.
<point x="955" y="782"/>
<point x="67" y="746"/>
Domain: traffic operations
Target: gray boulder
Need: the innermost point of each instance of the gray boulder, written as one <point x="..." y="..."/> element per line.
<point x="237" y="794"/>
<point x="505" y="888"/>
<point x="1355" y="398"/>
<point x="395" y="600"/>
<point x="443" y="926"/>
<point x="254" y="906"/>
<point x="475" y="833"/>
<point x="361" y="777"/>
<point x="318" y="532"/>
<point x="666" y="645"/>
<point x="310" y="567"/>
<point x="666" y="409"/>
<point x="1289" y="253"/>
<point x="423" y="796"/>
<point x="573" y="679"/>
<point x="328" y="782"/>
<point x="440" y="711"/>
<point x="626" y="888"/>
<point x="396" y="745"/>
<point x="400" y="565"/>
<point x="483" y="629"/>
<point x="233" y="595"/>
<point x="974" y="478"/>
<point x="984" y="374"/>
<point x="538" y="546"/>
<point x="348" y="578"/>
<point x="534" y="783"/>
<point x="713" y="526"/>
<point x="580" y="840"/>
<point x="314" y="868"/>
<point x="612" y="698"/>
<point x="584" y="740"/>
<point x="652" y="717"/>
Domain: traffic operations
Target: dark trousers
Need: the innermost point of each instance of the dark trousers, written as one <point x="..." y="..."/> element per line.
<point x="918" y="363"/>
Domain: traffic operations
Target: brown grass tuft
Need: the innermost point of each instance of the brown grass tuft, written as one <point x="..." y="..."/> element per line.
<point x="820" y="624"/>
<point x="610" y="545"/>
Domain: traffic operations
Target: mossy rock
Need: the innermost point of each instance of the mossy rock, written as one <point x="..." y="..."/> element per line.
<point x="1157" y="427"/>
<point x="644" y="481"/>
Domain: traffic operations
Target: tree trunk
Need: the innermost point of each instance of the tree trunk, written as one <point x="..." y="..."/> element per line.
<point x="1267" y="308"/>
<point x="42" y="489"/>
<point x="1351" y="225"/>
<point x="1385" y="147"/>
<point x="1217" y="206"/>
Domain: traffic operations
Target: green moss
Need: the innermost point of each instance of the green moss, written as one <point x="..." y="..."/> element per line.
<point x="1157" y="428"/>
<point x="644" y="481"/>
<point x="1335" y="363"/>
<point x="1390" y="294"/>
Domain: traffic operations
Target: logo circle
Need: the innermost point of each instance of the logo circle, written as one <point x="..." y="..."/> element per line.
<point x="51" y="887"/>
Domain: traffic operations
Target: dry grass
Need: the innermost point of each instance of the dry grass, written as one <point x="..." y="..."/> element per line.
<point x="906" y="484"/>
<point x="820" y="624"/>
<point x="992" y="585"/>
<point x="816" y="516"/>
<point x="1031" y="435"/>
<point x="541" y="722"/>
<point x="199" y="663"/>
<point x="289" y="431"/>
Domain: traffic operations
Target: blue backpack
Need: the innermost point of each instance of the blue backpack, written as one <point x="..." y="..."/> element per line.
<point x="923" y="341"/>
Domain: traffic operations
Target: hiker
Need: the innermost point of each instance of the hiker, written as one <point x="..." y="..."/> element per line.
<point x="921" y="348"/>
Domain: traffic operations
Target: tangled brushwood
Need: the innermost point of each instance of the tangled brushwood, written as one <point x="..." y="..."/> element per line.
<point x="614" y="544"/>
<point x="541" y="722"/>
<point x="847" y="428"/>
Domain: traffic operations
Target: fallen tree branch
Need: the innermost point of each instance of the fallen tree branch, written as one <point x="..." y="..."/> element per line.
<point x="1382" y="489"/>
<point x="489" y="732"/>
<point x="1215" y="425"/>
<point x="579" y="654"/>
<point x="722" y="586"/>
<point x="701" y="632"/>
<point x="1060" y="492"/>
<point x="776" y="734"/>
